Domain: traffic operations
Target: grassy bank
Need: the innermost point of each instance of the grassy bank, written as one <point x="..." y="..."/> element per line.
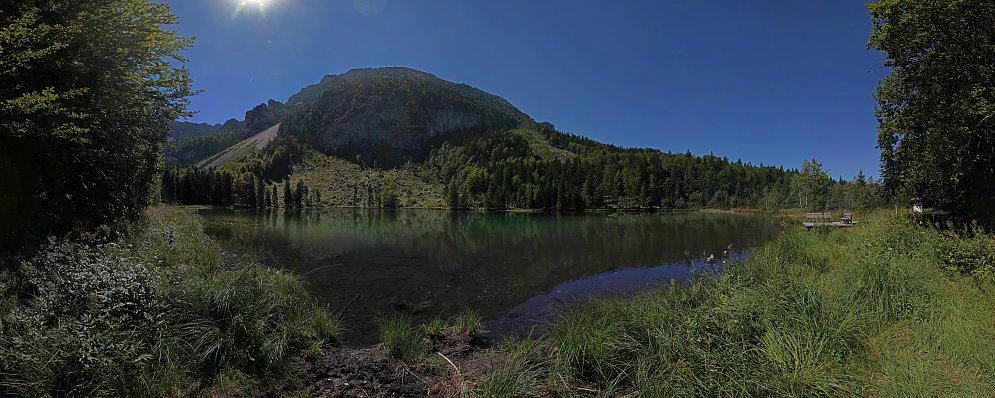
<point x="160" y="312"/>
<point x="888" y="309"/>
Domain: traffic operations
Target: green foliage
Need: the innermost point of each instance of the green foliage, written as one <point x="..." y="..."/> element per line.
<point x="156" y="314"/>
<point x="92" y="327"/>
<point x="388" y="194"/>
<point x="521" y="169"/>
<point x="86" y="92"/>
<point x="402" y="340"/>
<point x="468" y="322"/>
<point x="193" y="186"/>
<point x="861" y="194"/>
<point x="250" y="319"/>
<point x="846" y="312"/>
<point x="936" y="130"/>
<point x="484" y="154"/>
<point x="970" y="252"/>
<point x="190" y="149"/>
<point x="505" y="171"/>
<point x="812" y="186"/>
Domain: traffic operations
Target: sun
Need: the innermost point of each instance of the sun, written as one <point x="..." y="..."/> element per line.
<point x="259" y="5"/>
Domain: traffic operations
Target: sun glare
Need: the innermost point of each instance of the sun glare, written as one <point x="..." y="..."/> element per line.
<point x="259" y="5"/>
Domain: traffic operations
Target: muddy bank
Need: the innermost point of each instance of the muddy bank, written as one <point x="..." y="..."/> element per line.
<point x="348" y="371"/>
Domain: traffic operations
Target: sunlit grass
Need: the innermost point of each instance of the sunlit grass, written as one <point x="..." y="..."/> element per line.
<point x="866" y="311"/>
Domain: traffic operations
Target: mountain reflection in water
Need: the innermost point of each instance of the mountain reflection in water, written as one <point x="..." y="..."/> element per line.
<point x="510" y="268"/>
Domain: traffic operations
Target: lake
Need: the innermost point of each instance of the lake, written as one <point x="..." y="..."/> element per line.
<point x="514" y="269"/>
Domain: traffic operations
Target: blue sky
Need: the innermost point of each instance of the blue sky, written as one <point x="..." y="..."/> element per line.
<point x="762" y="81"/>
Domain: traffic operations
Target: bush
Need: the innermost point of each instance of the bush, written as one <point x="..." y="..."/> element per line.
<point x="160" y="318"/>
<point x="88" y="89"/>
<point x="92" y="326"/>
<point x="970" y="252"/>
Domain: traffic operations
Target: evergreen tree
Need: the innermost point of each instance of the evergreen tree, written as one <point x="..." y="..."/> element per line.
<point x="288" y="197"/>
<point x="298" y="194"/>
<point x="260" y="193"/>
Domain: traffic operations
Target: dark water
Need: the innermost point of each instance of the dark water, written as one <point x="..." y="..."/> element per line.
<point x="514" y="269"/>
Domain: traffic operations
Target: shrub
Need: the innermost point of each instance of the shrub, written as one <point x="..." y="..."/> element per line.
<point x="153" y="320"/>
<point x="970" y="252"/>
<point x="92" y="326"/>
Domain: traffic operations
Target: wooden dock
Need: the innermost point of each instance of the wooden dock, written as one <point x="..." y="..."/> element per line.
<point x="822" y="220"/>
<point x="837" y="224"/>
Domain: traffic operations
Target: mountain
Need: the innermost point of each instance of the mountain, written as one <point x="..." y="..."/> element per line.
<point x="385" y="116"/>
<point x="190" y="143"/>
<point x="391" y="115"/>
<point x="398" y="137"/>
<point x="180" y="129"/>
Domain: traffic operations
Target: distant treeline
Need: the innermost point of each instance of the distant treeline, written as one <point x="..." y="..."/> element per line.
<point x="193" y="186"/>
<point x="501" y="172"/>
<point x="510" y="170"/>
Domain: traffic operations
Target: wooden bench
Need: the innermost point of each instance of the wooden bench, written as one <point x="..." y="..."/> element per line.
<point x="847" y="218"/>
<point x="818" y="216"/>
<point x="817" y="219"/>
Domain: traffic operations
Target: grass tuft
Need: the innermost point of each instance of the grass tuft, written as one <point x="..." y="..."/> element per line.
<point x="884" y="310"/>
<point x="400" y="340"/>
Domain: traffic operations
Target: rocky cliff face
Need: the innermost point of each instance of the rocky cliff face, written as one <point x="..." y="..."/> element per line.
<point x="263" y="116"/>
<point x="393" y="114"/>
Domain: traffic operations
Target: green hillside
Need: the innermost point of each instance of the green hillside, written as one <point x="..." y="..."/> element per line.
<point x="397" y="137"/>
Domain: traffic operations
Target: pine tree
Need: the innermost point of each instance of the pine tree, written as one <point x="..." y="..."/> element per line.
<point x="298" y="194"/>
<point x="288" y="197"/>
<point x="260" y="193"/>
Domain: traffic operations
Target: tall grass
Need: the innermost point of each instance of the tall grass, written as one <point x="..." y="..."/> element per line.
<point x="400" y="339"/>
<point x="519" y="375"/>
<point x="873" y="311"/>
<point x="158" y="313"/>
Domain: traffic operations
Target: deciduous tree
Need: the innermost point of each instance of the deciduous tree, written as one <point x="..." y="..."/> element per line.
<point x="86" y="91"/>
<point x="936" y="107"/>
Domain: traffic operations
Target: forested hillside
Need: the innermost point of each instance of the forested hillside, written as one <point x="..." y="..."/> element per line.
<point x="396" y="137"/>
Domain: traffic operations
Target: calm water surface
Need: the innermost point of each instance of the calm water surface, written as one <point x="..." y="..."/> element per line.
<point x="514" y="269"/>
